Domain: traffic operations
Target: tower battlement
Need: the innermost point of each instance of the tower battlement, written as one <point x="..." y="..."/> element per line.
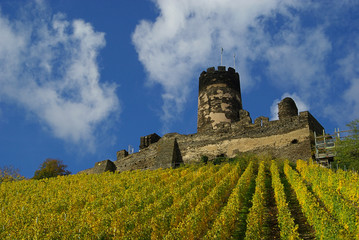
<point x="229" y="77"/>
<point x="219" y="98"/>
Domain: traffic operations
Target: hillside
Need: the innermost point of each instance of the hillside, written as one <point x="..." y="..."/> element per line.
<point x="247" y="198"/>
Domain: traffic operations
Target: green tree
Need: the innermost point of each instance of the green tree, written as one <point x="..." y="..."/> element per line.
<point x="51" y="168"/>
<point x="348" y="148"/>
<point x="9" y="173"/>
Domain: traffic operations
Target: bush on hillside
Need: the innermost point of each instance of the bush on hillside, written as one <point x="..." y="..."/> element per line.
<point x="9" y="173"/>
<point x="204" y="159"/>
<point x="348" y="148"/>
<point x="51" y="168"/>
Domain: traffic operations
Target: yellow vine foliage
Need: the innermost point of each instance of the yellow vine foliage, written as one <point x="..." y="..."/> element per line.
<point x="191" y="202"/>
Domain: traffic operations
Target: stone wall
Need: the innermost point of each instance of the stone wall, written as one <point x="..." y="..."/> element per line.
<point x="148" y="140"/>
<point x="101" y="167"/>
<point x="291" y="138"/>
<point x="168" y="154"/>
<point x="225" y="129"/>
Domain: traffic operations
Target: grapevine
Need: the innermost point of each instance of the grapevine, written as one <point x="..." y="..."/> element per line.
<point x="197" y="222"/>
<point x="324" y="225"/>
<point x="288" y="229"/>
<point x="346" y="214"/>
<point x="225" y="225"/>
<point x="256" y="216"/>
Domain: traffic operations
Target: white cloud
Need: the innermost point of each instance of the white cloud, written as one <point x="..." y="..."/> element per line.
<point x="291" y="44"/>
<point x="299" y="60"/>
<point x="187" y="35"/>
<point x="301" y="105"/>
<point x="49" y="66"/>
<point x="346" y="107"/>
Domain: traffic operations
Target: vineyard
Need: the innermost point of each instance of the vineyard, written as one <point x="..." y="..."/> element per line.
<point x="246" y="198"/>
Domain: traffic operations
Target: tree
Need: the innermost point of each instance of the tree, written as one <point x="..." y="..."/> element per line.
<point x="51" y="168"/>
<point x="348" y="148"/>
<point x="9" y="173"/>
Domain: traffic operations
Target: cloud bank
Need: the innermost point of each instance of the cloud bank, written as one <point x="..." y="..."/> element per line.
<point x="49" y="66"/>
<point x="285" y="42"/>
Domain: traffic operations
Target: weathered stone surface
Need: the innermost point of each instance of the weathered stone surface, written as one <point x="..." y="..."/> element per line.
<point x="121" y="154"/>
<point x="143" y="159"/>
<point x="148" y="140"/>
<point x="219" y="98"/>
<point x="261" y="121"/>
<point x="244" y="117"/>
<point x="104" y="166"/>
<point x="287" y="109"/>
<point x="101" y="167"/>
<point x="279" y="145"/>
<point x="168" y="154"/>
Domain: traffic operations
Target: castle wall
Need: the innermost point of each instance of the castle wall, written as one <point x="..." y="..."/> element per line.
<point x="145" y="159"/>
<point x="280" y="145"/>
<point x="148" y="140"/>
<point x="225" y="129"/>
<point x="290" y="138"/>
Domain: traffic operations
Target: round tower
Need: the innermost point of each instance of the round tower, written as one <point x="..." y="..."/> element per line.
<point x="219" y="98"/>
<point x="287" y="109"/>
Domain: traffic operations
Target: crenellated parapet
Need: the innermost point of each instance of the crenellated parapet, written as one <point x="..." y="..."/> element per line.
<point x="219" y="98"/>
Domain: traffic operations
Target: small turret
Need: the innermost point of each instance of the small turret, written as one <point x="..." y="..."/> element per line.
<point x="287" y="109"/>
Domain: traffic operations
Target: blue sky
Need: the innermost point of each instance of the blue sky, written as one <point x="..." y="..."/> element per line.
<point x="80" y="80"/>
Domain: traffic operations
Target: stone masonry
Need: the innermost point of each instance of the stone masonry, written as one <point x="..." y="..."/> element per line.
<point x="224" y="128"/>
<point x="219" y="98"/>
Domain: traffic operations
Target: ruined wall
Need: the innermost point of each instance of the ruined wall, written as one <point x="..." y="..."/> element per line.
<point x="168" y="154"/>
<point x="219" y="98"/>
<point x="100" y="167"/>
<point x="148" y="140"/>
<point x="277" y="145"/>
<point x="145" y="159"/>
<point x="225" y="129"/>
<point x="290" y="138"/>
<point x="164" y="153"/>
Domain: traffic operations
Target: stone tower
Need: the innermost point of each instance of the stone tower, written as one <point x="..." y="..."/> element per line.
<point x="219" y="98"/>
<point x="287" y="109"/>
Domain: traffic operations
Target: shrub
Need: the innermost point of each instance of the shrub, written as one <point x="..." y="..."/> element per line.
<point x="9" y="173"/>
<point x="204" y="159"/>
<point x="51" y="168"/>
<point x="348" y="148"/>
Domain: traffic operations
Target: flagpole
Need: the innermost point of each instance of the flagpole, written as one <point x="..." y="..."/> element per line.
<point x="234" y="60"/>
<point x="221" y="55"/>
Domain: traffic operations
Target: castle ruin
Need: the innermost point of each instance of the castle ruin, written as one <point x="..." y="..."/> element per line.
<point x="224" y="128"/>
